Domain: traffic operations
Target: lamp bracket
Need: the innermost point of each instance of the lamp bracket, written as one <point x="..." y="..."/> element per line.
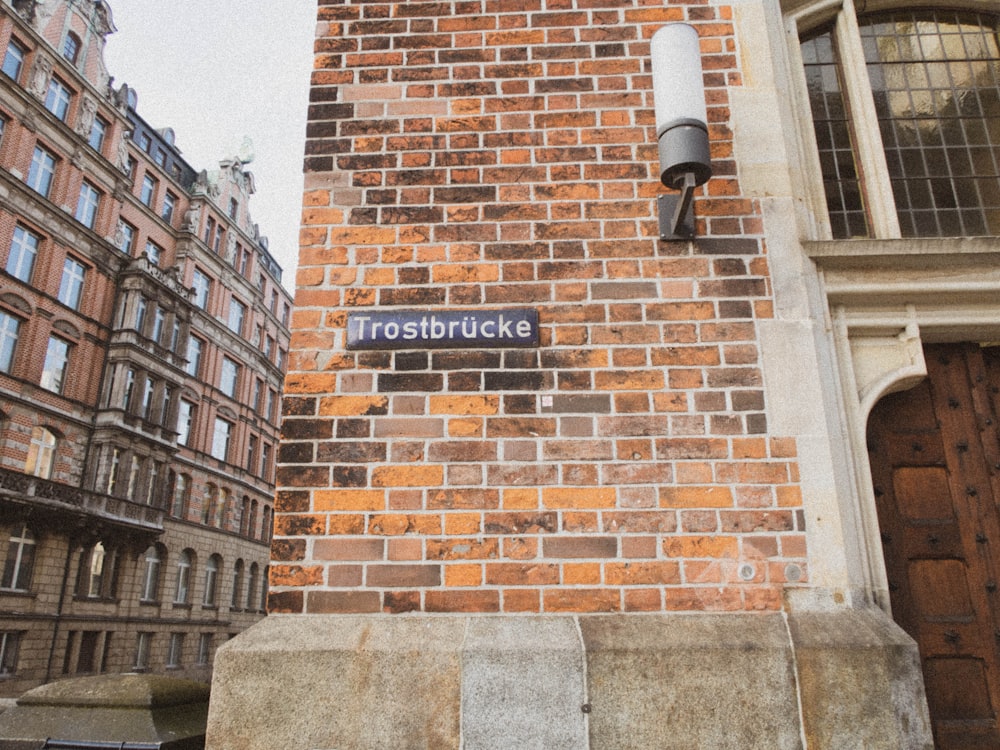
<point x="677" y="211"/>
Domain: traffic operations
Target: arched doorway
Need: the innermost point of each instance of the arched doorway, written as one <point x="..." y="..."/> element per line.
<point x="935" y="460"/>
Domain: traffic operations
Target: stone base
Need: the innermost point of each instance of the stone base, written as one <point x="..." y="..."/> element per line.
<point x="484" y="682"/>
<point x="132" y="708"/>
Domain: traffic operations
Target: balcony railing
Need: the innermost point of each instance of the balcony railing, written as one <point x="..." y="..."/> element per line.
<point x="25" y="487"/>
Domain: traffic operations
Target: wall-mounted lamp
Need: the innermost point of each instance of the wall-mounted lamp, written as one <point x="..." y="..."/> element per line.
<point x="681" y="125"/>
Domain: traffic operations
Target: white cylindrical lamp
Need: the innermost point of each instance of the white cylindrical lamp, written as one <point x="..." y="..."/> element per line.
<point x="679" y="103"/>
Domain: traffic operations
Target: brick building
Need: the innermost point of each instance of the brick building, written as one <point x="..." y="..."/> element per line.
<point x="742" y="492"/>
<point x="144" y="337"/>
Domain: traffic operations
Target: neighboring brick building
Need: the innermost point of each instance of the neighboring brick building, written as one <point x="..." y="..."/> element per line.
<point x="658" y="527"/>
<point x="143" y="338"/>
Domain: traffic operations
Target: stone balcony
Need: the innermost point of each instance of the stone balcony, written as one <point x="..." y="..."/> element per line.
<point x="68" y="506"/>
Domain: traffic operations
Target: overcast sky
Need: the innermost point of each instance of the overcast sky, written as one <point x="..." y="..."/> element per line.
<point x="217" y="71"/>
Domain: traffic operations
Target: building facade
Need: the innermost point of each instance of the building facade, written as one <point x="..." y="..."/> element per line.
<point x="145" y="332"/>
<point x="742" y="492"/>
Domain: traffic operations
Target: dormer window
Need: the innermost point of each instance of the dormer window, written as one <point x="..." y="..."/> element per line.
<point x="71" y="47"/>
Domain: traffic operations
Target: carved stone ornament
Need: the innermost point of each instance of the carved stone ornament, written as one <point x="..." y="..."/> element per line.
<point x="88" y="110"/>
<point x="40" y="74"/>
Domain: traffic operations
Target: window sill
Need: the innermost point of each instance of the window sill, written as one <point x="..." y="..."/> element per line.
<point x="19" y="593"/>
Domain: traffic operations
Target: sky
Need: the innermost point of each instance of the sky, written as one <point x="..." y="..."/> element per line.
<point x="219" y="71"/>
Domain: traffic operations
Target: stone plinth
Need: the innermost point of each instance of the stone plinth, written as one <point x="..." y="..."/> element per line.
<point x="133" y="708"/>
<point x="741" y="681"/>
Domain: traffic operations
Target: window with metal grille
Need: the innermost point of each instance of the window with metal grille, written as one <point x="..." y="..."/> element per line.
<point x="934" y="83"/>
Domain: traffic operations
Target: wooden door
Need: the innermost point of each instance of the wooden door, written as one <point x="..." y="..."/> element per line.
<point x="935" y="463"/>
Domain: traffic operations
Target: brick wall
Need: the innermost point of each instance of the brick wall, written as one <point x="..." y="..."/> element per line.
<point x="497" y="153"/>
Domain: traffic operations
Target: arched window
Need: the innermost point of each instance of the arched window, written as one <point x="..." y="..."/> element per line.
<point x="263" y="590"/>
<point x="97" y="577"/>
<point x="237" y="597"/>
<point x="185" y="566"/>
<point x="41" y="453"/>
<point x="20" y="559"/>
<point x="153" y="565"/>
<point x="934" y="146"/>
<point x="265" y="524"/>
<point x="212" y="569"/>
<point x="71" y="47"/>
<point x="209" y="504"/>
<point x="221" y="508"/>
<point x="252" y="583"/>
<point x="181" y="495"/>
<point x="245" y="516"/>
<point x="252" y="521"/>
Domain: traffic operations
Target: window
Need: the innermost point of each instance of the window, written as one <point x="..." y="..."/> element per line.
<point x="159" y="321"/>
<point x="258" y="390"/>
<point x="20" y="560"/>
<point x="143" y="646"/>
<point x="10" y="328"/>
<point x="237" y="312"/>
<point x="165" y="404"/>
<point x="153" y="252"/>
<point x="97" y="574"/>
<point x="86" y="205"/>
<point x="9" y="642"/>
<point x="140" y="313"/>
<point x="169" y="202"/>
<point x="56" y="363"/>
<point x="145" y="142"/>
<point x="219" y="234"/>
<point x="274" y="301"/>
<point x="151" y="575"/>
<point x="201" y="285"/>
<point x="179" y="504"/>
<point x="265" y="525"/>
<point x="41" y="171"/>
<point x="175" y="334"/>
<point x="285" y="312"/>
<point x="204" y="648"/>
<point x="147" y="397"/>
<point x="86" y="656"/>
<point x="113" y="469"/>
<point x="272" y="405"/>
<point x="153" y="489"/>
<point x="175" y="649"/>
<point x="23" y="251"/>
<point x="13" y="60"/>
<point x="71" y="47"/>
<point x="161" y="157"/>
<point x="98" y="133"/>
<point x="252" y="584"/>
<point x="129" y="388"/>
<point x="229" y="377"/>
<point x="219" y="519"/>
<point x="237" y="598"/>
<point x="41" y="453"/>
<point x="262" y="602"/>
<point x="268" y="346"/>
<point x="183" y="589"/>
<point x="221" y="436"/>
<point x="185" y="420"/>
<point x="282" y="354"/>
<point x="209" y="502"/>
<point x="126" y="242"/>
<point x="195" y="348"/>
<point x="211" y="580"/>
<point x="209" y="230"/>
<point x="265" y="462"/>
<point x="57" y="98"/>
<point x="148" y="191"/>
<point x="71" y="284"/>
<point x="252" y="455"/>
<point x="936" y="145"/>
<point x="234" y="208"/>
